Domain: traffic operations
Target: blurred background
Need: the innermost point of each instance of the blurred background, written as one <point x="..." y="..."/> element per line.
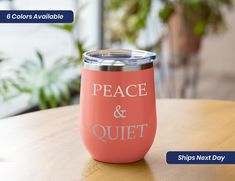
<point x="194" y="39"/>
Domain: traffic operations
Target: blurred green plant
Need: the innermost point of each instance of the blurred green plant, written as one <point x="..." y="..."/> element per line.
<point x="204" y="16"/>
<point x="5" y="84"/>
<point x="70" y="29"/>
<point x="49" y="86"/>
<point x="131" y="19"/>
<point x="2" y="58"/>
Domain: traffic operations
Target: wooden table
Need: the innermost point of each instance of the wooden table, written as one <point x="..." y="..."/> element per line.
<point x="46" y="146"/>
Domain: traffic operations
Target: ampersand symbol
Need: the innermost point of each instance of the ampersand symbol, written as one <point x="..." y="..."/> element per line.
<point x="118" y="113"/>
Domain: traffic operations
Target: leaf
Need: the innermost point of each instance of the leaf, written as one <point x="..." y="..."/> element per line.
<point x="78" y="12"/>
<point x="2" y="58"/>
<point x="81" y="50"/>
<point x="42" y="99"/>
<point x="114" y="4"/>
<point x="55" y="93"/>
<point x="65" y="92"/>
<point x="20" y="87"/>
<point x="166" y="12"/>
<point x="41" y="59"/>
<point x="199" y="28"/>
<point x="65" y="27"/>
<point x="50" y="97"/>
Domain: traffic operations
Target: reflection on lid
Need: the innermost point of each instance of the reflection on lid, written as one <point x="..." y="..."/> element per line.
<point x="118" y="57"/>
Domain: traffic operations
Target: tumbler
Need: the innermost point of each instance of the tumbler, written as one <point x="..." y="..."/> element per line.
<point x="118" y="109"/>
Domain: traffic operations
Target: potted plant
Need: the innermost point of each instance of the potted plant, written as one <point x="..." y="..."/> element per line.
<point x="189" y="20"/>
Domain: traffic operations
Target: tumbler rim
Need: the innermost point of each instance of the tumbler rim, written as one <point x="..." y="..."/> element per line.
<point x="118" y="59"/>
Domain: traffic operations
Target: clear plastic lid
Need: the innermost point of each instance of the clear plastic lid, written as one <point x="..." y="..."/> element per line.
<point x="113" y="59"/>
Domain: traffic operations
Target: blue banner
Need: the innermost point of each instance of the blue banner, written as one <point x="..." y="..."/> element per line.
<point x="37" y="16"/>
<point x="200" y="157"/>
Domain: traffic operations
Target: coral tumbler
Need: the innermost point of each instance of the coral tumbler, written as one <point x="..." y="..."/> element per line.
<point x="118" y="110"/>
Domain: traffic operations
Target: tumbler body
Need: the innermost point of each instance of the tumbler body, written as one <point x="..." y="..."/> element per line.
<point x="118" y="110"/>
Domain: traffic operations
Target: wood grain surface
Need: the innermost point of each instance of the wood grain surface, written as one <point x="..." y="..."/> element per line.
<point x="46" y="145"/>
